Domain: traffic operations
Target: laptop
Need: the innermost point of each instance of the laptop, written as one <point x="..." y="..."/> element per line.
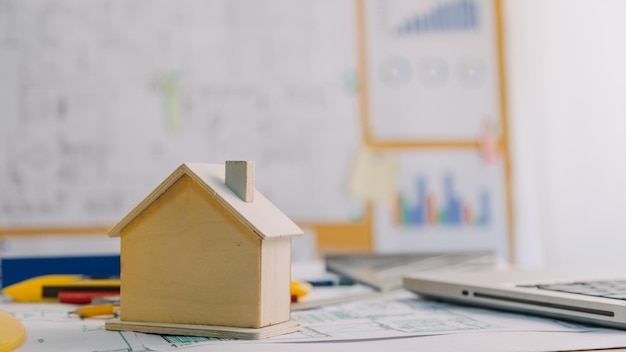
<point x="592" y="299"/>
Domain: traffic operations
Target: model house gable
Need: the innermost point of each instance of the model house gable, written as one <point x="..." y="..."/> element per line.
<point x="260" y="215"/>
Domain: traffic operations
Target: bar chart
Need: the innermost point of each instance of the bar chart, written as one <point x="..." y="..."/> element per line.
<point x="424" y="207"/>
<point x="453" y="16"/>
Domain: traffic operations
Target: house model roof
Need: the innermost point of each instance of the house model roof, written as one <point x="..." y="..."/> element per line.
<point x="261" y="216"/>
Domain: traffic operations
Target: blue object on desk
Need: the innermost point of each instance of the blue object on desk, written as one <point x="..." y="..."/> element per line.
<point x="21" y="268"/>
<point x="323" y="282"/>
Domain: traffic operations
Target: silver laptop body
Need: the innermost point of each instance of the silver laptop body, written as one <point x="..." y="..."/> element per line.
<point x="520" y="291"/>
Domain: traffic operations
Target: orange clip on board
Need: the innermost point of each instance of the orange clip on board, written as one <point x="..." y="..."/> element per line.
<point x="12" y="332"/>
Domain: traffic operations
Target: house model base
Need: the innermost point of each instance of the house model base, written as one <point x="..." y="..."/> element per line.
<point x="204" y="330"/>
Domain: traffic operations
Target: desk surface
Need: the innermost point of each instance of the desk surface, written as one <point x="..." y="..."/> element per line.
<point x="414" y="322"/>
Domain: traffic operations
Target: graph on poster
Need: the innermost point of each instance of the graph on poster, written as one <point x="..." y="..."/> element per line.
<point x="446" y="199"/>
<point x="421" y="206"/>
<point x="432" y="69"/>
<point x="450" y="16"/>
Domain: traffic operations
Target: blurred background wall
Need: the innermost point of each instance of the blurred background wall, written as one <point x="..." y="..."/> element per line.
<point x="567" y="84"/>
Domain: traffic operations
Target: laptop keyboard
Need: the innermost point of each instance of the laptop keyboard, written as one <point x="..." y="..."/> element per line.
<point x="601" y="288"/>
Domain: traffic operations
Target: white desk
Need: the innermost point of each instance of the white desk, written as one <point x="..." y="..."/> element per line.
<point x="50" y="328"/>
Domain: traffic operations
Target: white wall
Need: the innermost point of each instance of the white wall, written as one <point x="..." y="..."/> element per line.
<point x="566" y="62"/>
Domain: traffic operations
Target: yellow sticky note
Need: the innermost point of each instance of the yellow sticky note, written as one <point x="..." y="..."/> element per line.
<point x="374" y="176"/>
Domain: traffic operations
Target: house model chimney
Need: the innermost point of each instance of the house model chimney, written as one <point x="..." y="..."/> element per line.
<point x="240" y="179"/>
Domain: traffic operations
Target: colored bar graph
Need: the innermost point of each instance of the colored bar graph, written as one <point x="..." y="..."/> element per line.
<point x="426" y="209"/>
<point x="453" y="16"/>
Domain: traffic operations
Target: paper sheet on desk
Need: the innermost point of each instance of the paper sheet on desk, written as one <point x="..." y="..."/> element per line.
<point x="50" y="327"/>
<point x="475" y="342"/>
<point x="396" y="315"/>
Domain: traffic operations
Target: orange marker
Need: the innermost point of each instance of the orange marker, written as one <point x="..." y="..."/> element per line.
<point x="97" y="310"/>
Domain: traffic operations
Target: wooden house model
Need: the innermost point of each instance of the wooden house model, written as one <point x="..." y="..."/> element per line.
<point x="205" y="250"/>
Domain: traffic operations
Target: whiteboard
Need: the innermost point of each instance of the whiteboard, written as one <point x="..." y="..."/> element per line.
<point x="101" y="100"/>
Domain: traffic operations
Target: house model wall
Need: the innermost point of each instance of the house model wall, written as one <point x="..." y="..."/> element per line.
<point x="195" y="252"/>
